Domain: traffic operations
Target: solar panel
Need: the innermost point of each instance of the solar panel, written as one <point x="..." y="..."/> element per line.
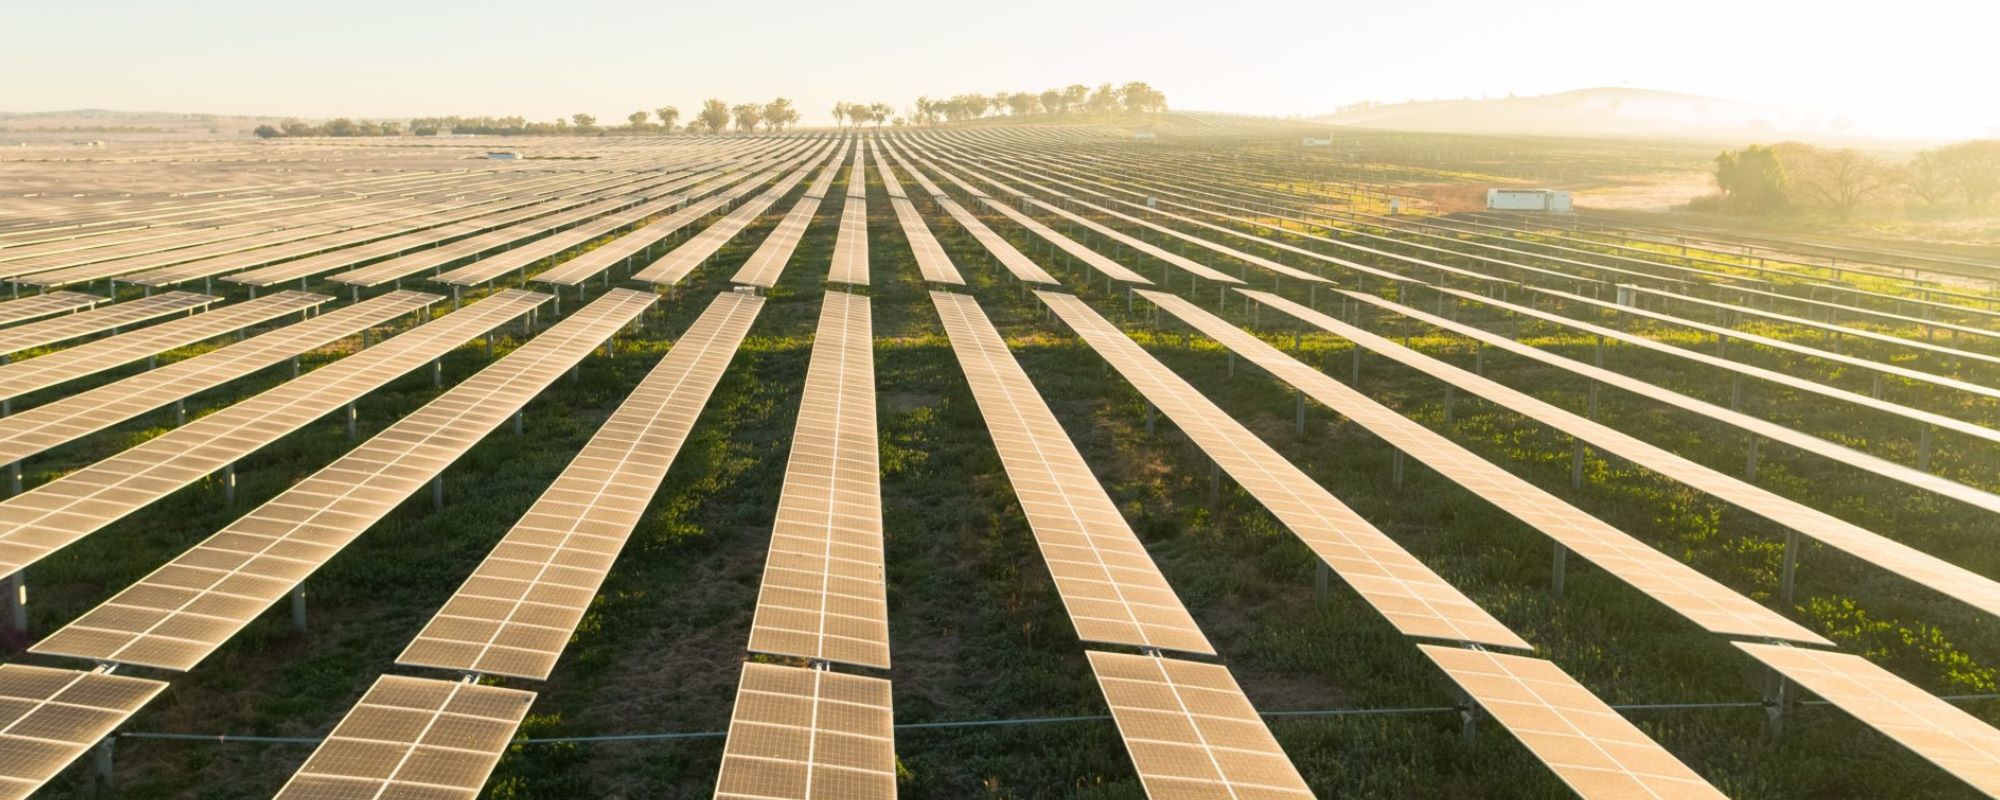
<point x="1943" y="734"/>
<point x="54" y="715"/>
<point x="518" y="258"/>
<point x="1788" y="381"/>
<point x="1769" y="430"/>
<point x="1090" y="258"/>
<point x="183" y="611"/>
<point x="1674" y="584"/>
<point x="1191" y="732"/>
<point x="55" y="330"/>
<point x="682" y="260"/>
<point x="1858" y="333"/>
<point x="1252" y="258"/>
<point x="1599" y="754"/>
<point x="1113" y="591"/>
<point x="43" y="305"/>
<point x="1905" y="373"/>
<point x="593" y="263"/>
<point x="518" y="609"/>
<point x="98" y="355"/>
<point x="412" y="739"/>
<point x="850" y="243"/>
<point x="822" y="595"/>
<point x="1413" y="598"/>
<point x="808" y="734"/>
<point x="51" y="516"/>
<point x="77" y="415"/>
<point x="932" y="262"/>
<point x="1184" y="263"/>
<point x="764" y="265"/>
<point x="1923" y="569"/>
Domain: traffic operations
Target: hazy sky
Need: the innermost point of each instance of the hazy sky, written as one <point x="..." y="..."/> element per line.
<point x="1909" y="68"/>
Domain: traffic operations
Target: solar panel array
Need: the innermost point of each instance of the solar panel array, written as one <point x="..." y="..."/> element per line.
<point x="1113" y="591"/>
<point x="823" y="595"/>
<point x="98" y="355"/>
<point x="43" y="305"/>
<point x="516" y="612"/>
<point x="176" y="616"/>
<point x="413" y="738"/>
<point x="804" y="730"/>
<point x="850" y="242"/>
<point x="1674" y="584"/>
<point x="108" y="318"/>
<point x="1412" y="597"/>
<point x="53" y="515"/>
<point x="77" y="415"/>
<point x="1920" y="568"/>
<point x="1769" y="430"/>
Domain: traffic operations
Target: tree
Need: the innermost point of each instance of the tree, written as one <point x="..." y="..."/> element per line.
<point x="668" y="115"/>
<point x="267" y="132"/>
<point x="926" y="111"/>
<point x="293" y="127"/>
<point x="1752" y="179"/>
<point x="880" y="113"/>
<point x="1838" y="179"/>
<point x="747" y="116"/>
<point x="1974" y="167"/>
<point x="714" y="115"/>
<point x="779" y="114"/>
<point x="1052" y="102"/>
<point x="585" y="123"/>
<point x="1141" y="98"/>
<point x="1103" y="99"/>
<point x="1022" y="103"/>
<point x="1074" y="96"/>
<point x="638" y="119"/>
<point x="1928" y="177"/>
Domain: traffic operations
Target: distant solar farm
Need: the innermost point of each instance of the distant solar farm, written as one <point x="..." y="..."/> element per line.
<point x="1025" y="461"/>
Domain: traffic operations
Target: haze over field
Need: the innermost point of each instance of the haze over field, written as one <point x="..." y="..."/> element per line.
<point x="1916" y="75"/>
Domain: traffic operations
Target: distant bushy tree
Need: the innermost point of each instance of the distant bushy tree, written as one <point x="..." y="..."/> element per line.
<point x="714" y="115"/>
<point x="1752" y="179"/>
<point x="1974" y="168"/>
<point x="668" y="116"/>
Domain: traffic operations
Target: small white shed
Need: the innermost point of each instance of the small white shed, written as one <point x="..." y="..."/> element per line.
<point x="1554" y="200"/>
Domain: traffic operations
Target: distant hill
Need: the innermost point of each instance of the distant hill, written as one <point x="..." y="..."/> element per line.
<point x="1595" y="112"/>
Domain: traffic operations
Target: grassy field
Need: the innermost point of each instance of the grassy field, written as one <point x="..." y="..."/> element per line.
<point x="979" y="633"/>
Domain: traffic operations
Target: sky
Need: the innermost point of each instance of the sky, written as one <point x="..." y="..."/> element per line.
<point x="1912" y="69"/>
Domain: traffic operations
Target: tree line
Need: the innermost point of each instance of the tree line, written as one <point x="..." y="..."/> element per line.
<point x="1763" y="179"/>
<point x="1136" y="97"/>
<point x="717" y="115"/>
